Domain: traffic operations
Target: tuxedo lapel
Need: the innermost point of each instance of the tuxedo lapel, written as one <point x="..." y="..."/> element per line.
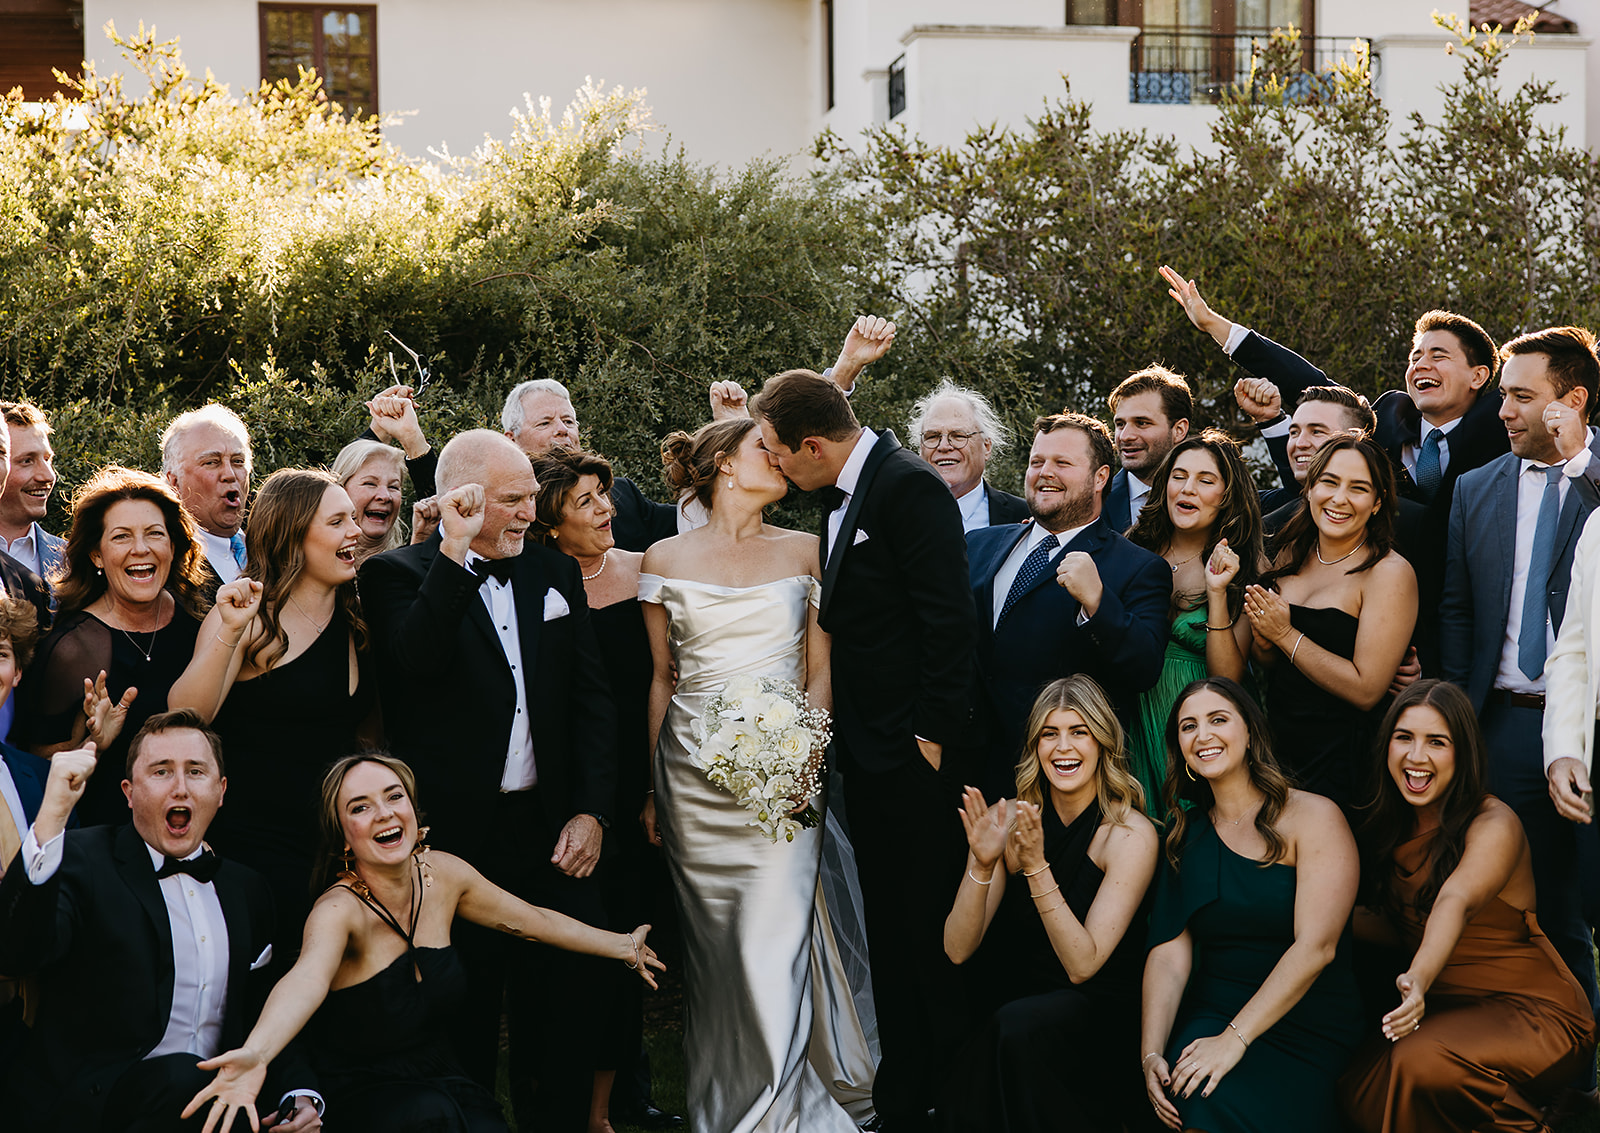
<point x="886" y="443"/>
<point x="528" y="588"/>
<point x="133" y="867"/>
<point x="241" y="943"/>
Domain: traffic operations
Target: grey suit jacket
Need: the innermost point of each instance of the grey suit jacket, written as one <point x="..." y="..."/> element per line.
<point x="1478" y="568"/>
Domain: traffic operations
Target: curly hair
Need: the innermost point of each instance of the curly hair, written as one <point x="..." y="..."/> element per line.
<point x="1116" y="790"/>
<point x="690" y="462"/>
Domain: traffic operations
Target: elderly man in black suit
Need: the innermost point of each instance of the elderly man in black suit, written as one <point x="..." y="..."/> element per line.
<point x="895" y="599"/>
<point x="1063" y="593"/>
<point x="1439" y="427"/>
<point x="495" y="692"/>
<point x="151" y="953"/>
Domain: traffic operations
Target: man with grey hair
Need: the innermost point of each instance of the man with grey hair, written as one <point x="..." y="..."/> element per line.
<point x="957" y="431"/>
<point x="494" y="691"/>
<point x="539" y="416"/>
<point x="205" y="457"/>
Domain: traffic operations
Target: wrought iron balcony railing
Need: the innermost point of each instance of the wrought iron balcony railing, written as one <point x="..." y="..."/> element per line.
<point x="1178" y="66"/>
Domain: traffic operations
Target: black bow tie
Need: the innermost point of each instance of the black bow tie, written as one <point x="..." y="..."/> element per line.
<point x="831" y="497"/>
<point x="202" y="868"/>
<point x="494" y="568"/>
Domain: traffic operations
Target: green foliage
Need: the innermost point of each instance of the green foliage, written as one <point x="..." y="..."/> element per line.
<point x="1308" y="221"/>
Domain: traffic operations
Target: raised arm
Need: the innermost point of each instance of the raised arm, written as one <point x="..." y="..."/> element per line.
<point x="1227" y="633"/>
<point x="1494" y="849"/>
<point x="1327" y="869"/>
<point x="869" y="339"/>
<point x="983" y="885"/>
<point x="218" y="652"/>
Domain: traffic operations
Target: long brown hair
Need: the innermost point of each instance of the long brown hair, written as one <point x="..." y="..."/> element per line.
<point x="77" y="584"/>
<point x="1298" y="537"/>
<point x="1116" y="790"/>
<point x="1184" y="791"/>
<point x="1238" y="516"/>
<point x="283" y="511"/>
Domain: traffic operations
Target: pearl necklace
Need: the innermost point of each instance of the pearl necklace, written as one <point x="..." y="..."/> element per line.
<point x="605" y="555"/>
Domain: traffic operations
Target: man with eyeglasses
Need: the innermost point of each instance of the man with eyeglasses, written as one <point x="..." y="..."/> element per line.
<point x="957" y="431"/>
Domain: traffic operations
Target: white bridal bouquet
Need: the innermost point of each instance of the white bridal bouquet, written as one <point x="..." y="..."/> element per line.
<point x="762" y="743"/>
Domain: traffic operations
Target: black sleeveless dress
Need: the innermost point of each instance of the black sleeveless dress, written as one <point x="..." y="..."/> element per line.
<point x="1010" y="1078"/>
<point x="280" y="731"/>
<point x="1321" y="740"/>
<point x="382" y="1052"/>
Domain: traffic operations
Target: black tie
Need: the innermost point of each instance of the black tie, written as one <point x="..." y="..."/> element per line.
<point x="831" y="497"/>
<point x="494" y="568"/>
<point x="202" y="868"/>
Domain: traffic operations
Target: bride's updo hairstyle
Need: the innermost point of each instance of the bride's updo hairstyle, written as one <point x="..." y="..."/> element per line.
<point x="690" y="462"/>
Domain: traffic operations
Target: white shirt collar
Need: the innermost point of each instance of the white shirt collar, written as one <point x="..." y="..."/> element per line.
<point x="1039" y="534"/>
<point x="850" y="474"/>
<point x="1528" y="463"/>
<point x="158" y="859"/>
<point x="974" y="505"/>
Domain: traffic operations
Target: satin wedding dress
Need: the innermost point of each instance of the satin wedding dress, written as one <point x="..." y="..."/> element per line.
<point x="772" y="1035"/>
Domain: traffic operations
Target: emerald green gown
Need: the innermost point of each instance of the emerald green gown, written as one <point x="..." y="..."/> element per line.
<point x="1147" y="743"/>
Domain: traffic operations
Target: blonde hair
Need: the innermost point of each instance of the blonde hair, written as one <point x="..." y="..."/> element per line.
<point x="1116" y="790"/>
<point x="352" y="458"/>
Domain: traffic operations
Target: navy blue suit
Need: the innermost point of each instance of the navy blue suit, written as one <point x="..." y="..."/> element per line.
<point x="1116" y="509"/>
<point x="1122" y="646"/>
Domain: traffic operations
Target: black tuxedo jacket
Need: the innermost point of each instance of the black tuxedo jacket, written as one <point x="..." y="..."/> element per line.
<point x="1477" y="438"/>
<point x="639" y="520"/>
<point x="1116" y="510"/>
<point x="1122" y="646"/>
<point x="99" y="939"/>
<point x="22" y="583"/>
<point x="1004" y="507"/>
<point x="895" y="599"/>
<point x="449" y="694"/>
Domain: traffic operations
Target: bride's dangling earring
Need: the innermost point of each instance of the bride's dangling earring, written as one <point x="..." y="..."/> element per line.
<point x="730" y="483"/>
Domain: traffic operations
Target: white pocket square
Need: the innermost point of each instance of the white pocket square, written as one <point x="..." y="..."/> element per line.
<point x="555" y="606"/>
<point x="861" y="537"/>
<point x="262" y="960"/>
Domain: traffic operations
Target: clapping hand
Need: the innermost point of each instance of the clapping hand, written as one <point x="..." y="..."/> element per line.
<point x="104" y="717"/>
<point x="1259" y="399"/>
<point x="1028" y="838"/>
<point x="986" y="827"/>
<point x="728" y="401"/>
<point x="1406" y="1018"/>
<point x="1222" y="567"/>
<point x="1268" y="613"/>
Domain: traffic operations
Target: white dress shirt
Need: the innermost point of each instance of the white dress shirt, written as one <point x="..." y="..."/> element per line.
<point x="1138" y="492"/>
<point x="849" y="477"/>
<point x="12" y="801"/>
<point x="27" y="549"/>
<point x="1530" y="494"/>
<point x="1012" y="566"/>
<point x="974" y="508"/>
<point x="521" y="772"/>
<point x="219" y="553"/>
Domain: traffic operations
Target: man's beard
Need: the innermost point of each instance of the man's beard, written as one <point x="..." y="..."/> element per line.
<point x="1062" y="511"/>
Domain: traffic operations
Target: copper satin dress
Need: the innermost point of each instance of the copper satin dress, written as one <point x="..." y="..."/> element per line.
<point x="771" y="1036"/>
<point x="1506" y="1026"/>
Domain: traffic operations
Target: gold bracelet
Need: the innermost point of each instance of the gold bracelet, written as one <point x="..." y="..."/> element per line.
<point x="1036" y="872"/>
<point x="1047" y="892"/>
<point x="1239" y="1033"/>
<point x="1219" y="629"/>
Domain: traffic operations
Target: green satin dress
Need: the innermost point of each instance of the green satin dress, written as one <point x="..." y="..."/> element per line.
<point x="1147" y="743"/>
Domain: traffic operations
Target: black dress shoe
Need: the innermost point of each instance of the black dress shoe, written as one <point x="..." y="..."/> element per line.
<point x="647" y="1116"/>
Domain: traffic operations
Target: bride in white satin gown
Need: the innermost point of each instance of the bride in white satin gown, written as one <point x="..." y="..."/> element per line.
<point x="771" y="1034"/>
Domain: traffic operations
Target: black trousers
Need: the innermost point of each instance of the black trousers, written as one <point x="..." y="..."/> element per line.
<point x="151" y="1094"/>
<point x="558" y="1004"/>
<point x="910" y="848"/>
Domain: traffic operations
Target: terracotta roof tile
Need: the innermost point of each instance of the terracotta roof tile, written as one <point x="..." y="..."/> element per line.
<point x="1508" y="12"/>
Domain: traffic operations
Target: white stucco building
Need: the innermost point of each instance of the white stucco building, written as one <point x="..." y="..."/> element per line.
<point x="733" y="79"/>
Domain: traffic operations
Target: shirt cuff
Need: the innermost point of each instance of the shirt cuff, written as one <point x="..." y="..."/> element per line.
<point x="41" y="862"/>
<point x="1236" y="335"/>
<point x="1083" y="618"/>
<point x="310" y="1095"/>
<point x="828" y="373"/>
<point x="1578" y="465"/>
<point x="1278" y="428"/>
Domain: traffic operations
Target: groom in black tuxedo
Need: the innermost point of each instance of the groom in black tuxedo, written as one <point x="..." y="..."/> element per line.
<point x="494" y="691"/>
<point x="896" y="600"/>
<point x="134" y="989"/>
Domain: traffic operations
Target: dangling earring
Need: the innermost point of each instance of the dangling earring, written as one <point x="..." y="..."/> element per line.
<point x="416" y="853"/>
<point x="1189" y="771"/>
<point x="348" y="875"/>
<point x="730" y="483"/>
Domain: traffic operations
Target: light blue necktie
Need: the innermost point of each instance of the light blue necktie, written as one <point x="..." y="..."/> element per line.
<point x="236" y="545"/>
<point x="1035" y="565"/>
<point x="1429" y="472"/>
<point x="1536" y="597"/>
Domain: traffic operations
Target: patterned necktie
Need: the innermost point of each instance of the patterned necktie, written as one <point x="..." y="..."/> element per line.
<point x="1429" y="472"/>
<point x="1033" y="567"/>
<point x="1536" y="596"/>
<point x="236" y="545"/>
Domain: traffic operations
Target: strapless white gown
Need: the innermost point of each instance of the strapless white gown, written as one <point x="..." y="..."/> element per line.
<point x="772" y="1037"/>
